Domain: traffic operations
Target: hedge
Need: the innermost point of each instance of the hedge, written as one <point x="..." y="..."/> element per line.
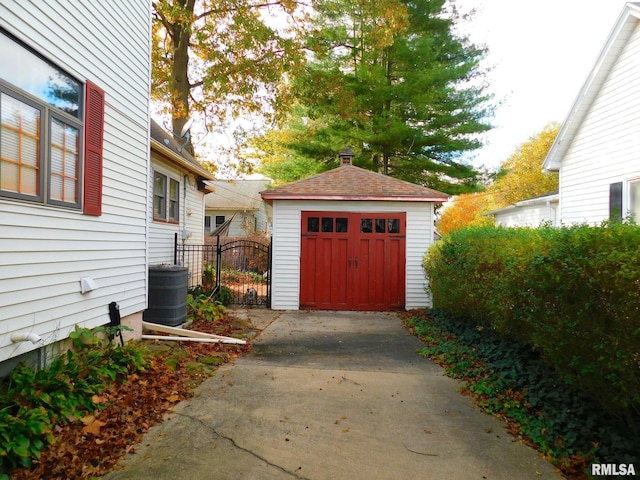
<point x="571" y="293"/>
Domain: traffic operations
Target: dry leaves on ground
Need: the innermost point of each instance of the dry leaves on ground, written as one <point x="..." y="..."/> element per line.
<point x="92" y="445"/>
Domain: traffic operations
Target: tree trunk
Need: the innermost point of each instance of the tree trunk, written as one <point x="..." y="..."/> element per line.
<point x="181" y="35"/>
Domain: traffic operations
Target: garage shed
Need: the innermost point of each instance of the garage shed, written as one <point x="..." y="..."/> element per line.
<point x="350" y="239"/>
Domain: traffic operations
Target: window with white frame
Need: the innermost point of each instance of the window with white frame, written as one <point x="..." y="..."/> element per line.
<point x="41" y="128"/>
<point x="633" y="199"/>
<point x="166" y="198"/>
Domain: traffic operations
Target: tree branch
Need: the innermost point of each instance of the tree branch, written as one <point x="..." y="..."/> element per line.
<point x="199" y="83"/>
<point x="165" y="23"/>
<point x="214" y="11"/>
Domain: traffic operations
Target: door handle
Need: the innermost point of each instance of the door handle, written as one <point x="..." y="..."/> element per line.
<point x="356" y="262"/>
<point x="349" y="262"/>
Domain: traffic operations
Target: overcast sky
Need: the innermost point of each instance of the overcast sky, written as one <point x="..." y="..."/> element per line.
<point x="542" y="52"/>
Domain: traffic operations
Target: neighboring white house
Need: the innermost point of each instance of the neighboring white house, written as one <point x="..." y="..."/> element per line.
<point x="531" y="212"/>
<point x="240" y="202"/>
<point x="178" y="186"/>
<point x="74" y="168"/>
<point x="350" y="239"/>
<point x="597" y="149"/>
<point x="178" y="183"/>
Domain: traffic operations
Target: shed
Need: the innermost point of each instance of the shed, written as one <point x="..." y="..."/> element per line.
<point x="350" y="239"/>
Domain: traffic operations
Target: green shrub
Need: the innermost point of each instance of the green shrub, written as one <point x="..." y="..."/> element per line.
<point x="32" y="401"/>
<point x="224" y="295"/>
<point x="205" y="307"/>
<point x="509" y="379"/>
<point x="572" y="293"/>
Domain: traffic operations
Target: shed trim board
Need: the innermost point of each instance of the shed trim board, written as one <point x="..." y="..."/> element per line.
<point x="287" y="241"/>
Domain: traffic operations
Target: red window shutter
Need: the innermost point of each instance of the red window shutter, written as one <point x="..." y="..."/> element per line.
<point x="93" y="140"/>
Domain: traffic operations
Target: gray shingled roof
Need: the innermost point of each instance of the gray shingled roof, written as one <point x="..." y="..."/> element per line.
<point x="168" y="141"/>
<point x="235" y="195"/>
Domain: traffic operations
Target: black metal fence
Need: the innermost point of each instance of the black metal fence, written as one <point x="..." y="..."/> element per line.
<point x="239" y="269"/>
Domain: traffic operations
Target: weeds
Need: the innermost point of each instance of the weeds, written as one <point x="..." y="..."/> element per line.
<point x="204" y="306"/>
<point x="33" y="402"/>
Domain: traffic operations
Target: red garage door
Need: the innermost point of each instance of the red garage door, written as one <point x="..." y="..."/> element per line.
<point x="352" y="261"/>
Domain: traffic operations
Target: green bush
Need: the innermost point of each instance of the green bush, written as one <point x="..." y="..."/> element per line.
<point x="508" y="379"/>
<point x="572" y="293"/>
<point x="224" y="295"/>
<point x="32" y="401"/>
<point x="205" y="307"/>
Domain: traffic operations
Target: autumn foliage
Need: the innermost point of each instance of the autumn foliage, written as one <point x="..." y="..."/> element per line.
<point x="466" y="210"/>
<point x="92" y="442"/>
<point x="521" y="177"/>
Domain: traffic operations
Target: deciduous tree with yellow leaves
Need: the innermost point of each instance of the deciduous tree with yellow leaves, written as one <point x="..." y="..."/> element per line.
<point x="521" y="177"/>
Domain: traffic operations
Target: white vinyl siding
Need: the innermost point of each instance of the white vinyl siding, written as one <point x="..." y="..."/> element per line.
<point x="606" y="148"/>
<point x="45" y="250"/>
<point x="194" y="211"/>
<point x="527" y="216"/>
<point x="191" y="212"/>
<point x="235" y="228"/>
<point x="162" y="235"/>
<point x="263" y="222"/>
<point x="286" y="246"/>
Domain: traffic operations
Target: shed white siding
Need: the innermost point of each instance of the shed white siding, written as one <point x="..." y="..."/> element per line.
<point x="44" y="251"/>
<point x="606" y="147"/>
<point x="286" y="246"/>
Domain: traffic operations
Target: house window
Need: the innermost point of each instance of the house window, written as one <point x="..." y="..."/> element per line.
<point x="633" y="206"/>
<point x="219" y="220"/>
<point x="207" y="223"/>
<point x="166" y="198"/>
<point x="41" y="128"/>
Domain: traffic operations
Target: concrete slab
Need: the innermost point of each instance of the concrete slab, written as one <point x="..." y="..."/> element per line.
<point x="332" y="395"/>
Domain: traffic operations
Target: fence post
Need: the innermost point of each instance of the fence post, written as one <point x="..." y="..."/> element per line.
<point x="175" y="248"/>
<point x="218" y="261"/>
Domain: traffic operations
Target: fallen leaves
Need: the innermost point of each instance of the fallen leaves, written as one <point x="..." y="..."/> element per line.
<point x="92" y="445"/>
<point x="91" y="425"/>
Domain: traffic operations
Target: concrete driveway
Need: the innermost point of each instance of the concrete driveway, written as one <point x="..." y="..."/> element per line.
<point x="326" y="396"/>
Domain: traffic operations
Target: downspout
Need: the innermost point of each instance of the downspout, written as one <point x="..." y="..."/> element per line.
<point x="184" y="208"/>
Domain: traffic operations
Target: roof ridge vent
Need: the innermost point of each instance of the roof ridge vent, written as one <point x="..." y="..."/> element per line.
<point x="346" y="156"/>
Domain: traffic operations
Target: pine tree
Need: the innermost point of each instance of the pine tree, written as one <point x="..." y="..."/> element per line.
<point x="391" y="79"/>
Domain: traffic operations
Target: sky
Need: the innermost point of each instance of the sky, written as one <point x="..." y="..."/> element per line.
<point x="542" y="52"/>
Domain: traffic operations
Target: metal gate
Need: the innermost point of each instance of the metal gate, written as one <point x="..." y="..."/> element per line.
<point x="237" y="270"/>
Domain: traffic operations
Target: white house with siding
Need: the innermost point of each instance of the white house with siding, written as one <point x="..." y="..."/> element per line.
<point x="74" y="168"/>
<point x="350" y="239"/>
<point x="178" y="183"/>
<point x="532" y="212"/>
<point x="597" y="148"/>
<point x="240" y="202"/>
